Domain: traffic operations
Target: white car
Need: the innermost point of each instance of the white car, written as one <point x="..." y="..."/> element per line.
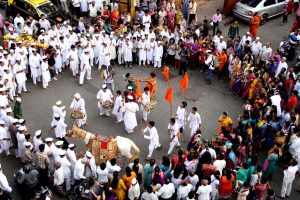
<point x="245" y="9"/>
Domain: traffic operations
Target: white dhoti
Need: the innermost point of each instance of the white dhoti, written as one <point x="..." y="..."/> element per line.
<point x="103" y="111"/>
<point x="118" y="113"/>
<point x="144" y="113"/>
<point x="88" y="71"/>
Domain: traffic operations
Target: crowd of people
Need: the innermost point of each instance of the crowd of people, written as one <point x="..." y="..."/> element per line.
<point x="159" y="33"/>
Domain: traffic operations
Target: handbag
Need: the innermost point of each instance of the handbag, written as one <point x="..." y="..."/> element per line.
<point x="266" y="163"/>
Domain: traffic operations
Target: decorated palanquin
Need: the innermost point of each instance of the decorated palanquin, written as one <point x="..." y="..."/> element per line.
<point x="26" y="40"/>
<point x="103" y="148"/>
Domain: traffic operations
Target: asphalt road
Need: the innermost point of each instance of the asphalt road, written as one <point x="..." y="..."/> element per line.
<point x="211" y="101"/>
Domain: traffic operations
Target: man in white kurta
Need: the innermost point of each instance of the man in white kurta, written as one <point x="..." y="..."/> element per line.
<point x="153" y="137"/>
<point x="103" y="58"/>
<point x="176" y="131"/>
<point x="21" y="139"/>
<point x="145" y="100"/>
<point x="150" y="45"/>
<point x="66" y="165"/>
<point x="147" y="22"/>
<point x="19" y="72"/>
<point x="181" y="115"/>
<point x="59" y="127"/>
<point x="72" y="57"/>
<point x="120" y="43"/>
<point x="130" y="115"/>
<point x="85" y="67"/>
<point x="104" y="95"/>
<point x="97" y="46"/>
<point x="118" y="107"/>
<point x="4" y="138"/>
<point x="59" y="109"/>
<point x="142" y="51"/>
<point x="158" y="53"/>
<point x="127" y="52"/>
<point x="73" y="159"/>
<point x="78" y="104"/>
<point x="45" y="72"/>
<point x="195" y="121"/>
<point x="35" y="62"/>
<point x="92" y="163"/>
<point x="37" y="140"/>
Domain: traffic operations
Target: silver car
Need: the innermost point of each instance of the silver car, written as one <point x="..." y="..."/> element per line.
<point x="245" y="9"/>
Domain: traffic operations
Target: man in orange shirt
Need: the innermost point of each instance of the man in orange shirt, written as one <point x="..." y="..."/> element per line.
<point x="223" y="61"/>
<point x="151" y="84"/>
<point x="254" y="24"/>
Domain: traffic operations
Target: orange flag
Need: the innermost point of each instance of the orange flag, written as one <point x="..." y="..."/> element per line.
<point x="166" y="73"/>
<point x="169" y="95"/>
<point x="138" y="91"/>
<point x="184" y="82"/>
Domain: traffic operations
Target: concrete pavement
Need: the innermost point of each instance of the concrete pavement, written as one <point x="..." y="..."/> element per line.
<point x="211" y="100"/>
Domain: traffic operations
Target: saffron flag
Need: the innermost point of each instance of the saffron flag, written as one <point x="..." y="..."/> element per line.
<point x="138" y="88"/>
<point x="169" y="95"/>
<point x="184" y="82"/>
<point x="166" y="73"/>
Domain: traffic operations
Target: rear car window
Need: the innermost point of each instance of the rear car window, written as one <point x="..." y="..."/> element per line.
<point x="251" y="3"/>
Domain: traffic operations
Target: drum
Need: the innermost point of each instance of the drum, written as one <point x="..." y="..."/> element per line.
<point x="107" y="104"/>
<point x="151" y="105"/>
<point x="77" y="115"/>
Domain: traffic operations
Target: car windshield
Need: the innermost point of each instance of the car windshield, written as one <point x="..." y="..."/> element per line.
<point x="251" y="3"/>
<point x="48" y="9"/>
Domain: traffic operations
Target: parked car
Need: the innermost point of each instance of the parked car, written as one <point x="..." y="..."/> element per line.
<point x="245" y="9"/>
<point x="35" y="8"/>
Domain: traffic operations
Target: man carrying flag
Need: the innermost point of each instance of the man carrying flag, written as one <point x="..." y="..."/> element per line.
<point x="151" y="84"/>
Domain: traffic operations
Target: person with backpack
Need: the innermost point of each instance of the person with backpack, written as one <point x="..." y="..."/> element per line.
<point x="210" y="64"/>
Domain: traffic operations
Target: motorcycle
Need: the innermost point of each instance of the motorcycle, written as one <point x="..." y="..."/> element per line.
<point x="285" y="47"/>
<point x="40" y="192"/>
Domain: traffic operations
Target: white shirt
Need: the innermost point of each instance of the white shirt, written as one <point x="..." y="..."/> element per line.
<point x="214" y="183"/>
<point x="256" y="48"/>
<point x="153" y="136"/>
<point x="290" y="173"/>
<point x="45" y="24"/>
<point x="183" y="191"/>
<point x="281" y="65"/>
<point x="194" y="119"/>
<point x="211" y="151"/>
<point x="266" y="53"/>
<point x="204" y="192"/>
<point x="104" y="96"/>
<point x="37" y="142"/>
<point x="4" y="183"/>
<point x="93" y="10"/>
<point x="102" y="175"/>
<point x="112" y="169"/>
<point x="59" y="128"/>
<point x="59" y="176"/>
<point x="219" y="165"/>
<point x="72" y="156"/>
<point x="166" y="191"/>
<point x="79" y="170"/>
<point x="149" y="196"/>
<point x="193" y="180"/>
<point x="134" y="192"/>
<point x="276" y="100"/>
